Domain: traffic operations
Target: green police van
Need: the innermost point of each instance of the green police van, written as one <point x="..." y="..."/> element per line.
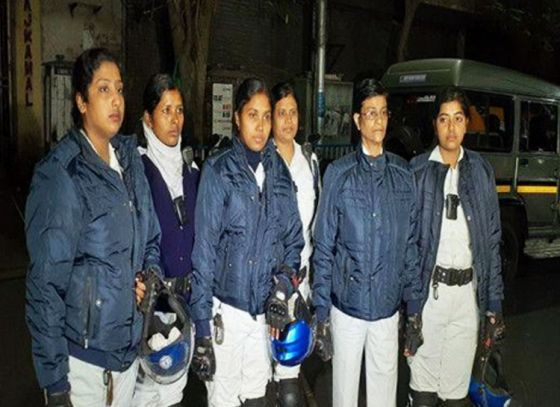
<point x="514" y="125"/>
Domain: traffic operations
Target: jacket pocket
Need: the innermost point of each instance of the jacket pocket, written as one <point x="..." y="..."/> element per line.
<point x="348" y="279"/>
<point x="353" y="292"/>
<point x="225" y="267"/>
<point x="89" y="314"/>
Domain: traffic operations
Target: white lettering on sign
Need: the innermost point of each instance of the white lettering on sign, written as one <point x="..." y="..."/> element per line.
<point x="413" y="78"/>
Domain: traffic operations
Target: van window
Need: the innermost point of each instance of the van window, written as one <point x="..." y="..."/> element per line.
<point x="539" y="124"/>
<point x="490" y="126"/>
<point x="413" y="113"/>
<point x="491" y="123"/>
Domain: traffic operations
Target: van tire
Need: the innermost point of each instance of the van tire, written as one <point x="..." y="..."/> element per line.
<point x="510" y="250"/>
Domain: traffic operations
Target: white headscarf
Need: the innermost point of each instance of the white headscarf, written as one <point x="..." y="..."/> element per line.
<point x="168" y="161"/>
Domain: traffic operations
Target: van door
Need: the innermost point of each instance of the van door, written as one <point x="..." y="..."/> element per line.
<point x="538" y="164"/>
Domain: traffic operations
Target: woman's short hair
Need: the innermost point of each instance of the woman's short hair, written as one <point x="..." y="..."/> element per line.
<point x="155" y="88"/>
<point x="248" y="88"/>
<point x="282" y="90"/>
<point x="365" y="89"/>
<point x="452" y="94"/>
<point x="82" y="74"/>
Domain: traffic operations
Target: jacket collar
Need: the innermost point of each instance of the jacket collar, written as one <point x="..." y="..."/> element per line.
<point x="266" y="153"/>
<point x="119" y="143"/>
<point x="436" y="155"/>
<point x="368" y="163"/>
<point x="463" y="162"/>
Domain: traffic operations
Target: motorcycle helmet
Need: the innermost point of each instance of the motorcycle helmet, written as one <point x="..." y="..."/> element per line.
<point x="297" y="339"/>
<point x="167" y="335"/>
<point x="488" y="387"/>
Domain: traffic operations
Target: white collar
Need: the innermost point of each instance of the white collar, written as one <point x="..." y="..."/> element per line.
<point x="113" y="160"/>
<point x="436" y="155"/>
<point x="366" y="152"/>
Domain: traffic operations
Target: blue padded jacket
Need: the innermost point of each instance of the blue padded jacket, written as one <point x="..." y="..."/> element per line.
<point x="88" y="233"/>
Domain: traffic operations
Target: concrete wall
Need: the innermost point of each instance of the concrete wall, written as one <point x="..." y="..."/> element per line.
<point x="68" y="34"/>
<point x="42" y="30"/>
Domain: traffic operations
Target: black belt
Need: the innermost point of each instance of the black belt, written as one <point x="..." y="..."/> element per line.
<point x="451" y="277"/>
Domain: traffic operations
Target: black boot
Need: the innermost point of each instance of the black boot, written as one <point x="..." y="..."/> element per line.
<point x="260" y="402"/>
<point x="423" y="399"/>
<point x="289" y="394"/>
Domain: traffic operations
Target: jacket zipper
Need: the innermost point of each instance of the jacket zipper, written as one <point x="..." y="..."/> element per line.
<point x="260" y="197"/>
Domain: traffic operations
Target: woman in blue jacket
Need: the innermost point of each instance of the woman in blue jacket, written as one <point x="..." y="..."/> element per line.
<point x="304" y="169"/>
<point x="247" y="247"/>
<point x="173" y="184"/>
<point x="90" y="227"/>
<point x="365" y="257"/>
<point x="459" y="241"/>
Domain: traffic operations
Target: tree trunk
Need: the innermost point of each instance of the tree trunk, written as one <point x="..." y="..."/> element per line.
<point x="190" y="27"/>
<point x="410" y="11"/>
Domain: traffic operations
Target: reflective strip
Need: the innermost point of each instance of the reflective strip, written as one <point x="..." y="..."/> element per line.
<point x="528" y="189"/>
<point x="537" y="189"/>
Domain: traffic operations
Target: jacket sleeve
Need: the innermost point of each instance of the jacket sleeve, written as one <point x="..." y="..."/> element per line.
<point x="152" y="253"/>
<point x="293" y="234"/>
<point x="325" y="231"/>
<point x="208" y="218"/>
<point x="53" y="216"/>
<point x="495" y="286"/>
<point x="412" y="294"/>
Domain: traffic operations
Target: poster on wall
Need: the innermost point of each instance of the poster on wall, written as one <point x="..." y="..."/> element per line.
<point x="58" y="100"/>
<point x="222" y="109"/>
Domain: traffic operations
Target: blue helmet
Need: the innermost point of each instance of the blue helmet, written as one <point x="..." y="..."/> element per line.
<point x="488" y="387"/>
<point x="297" y="340"/>
<point x="169" y="363"/>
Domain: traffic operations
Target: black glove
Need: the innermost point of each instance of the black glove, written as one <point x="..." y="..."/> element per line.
<point x="58" y="399"/>
<point x="277" y="311"/>
<point x="153" y="282"/>
<point x="323" y="341"/>
<point x="204" y="360"/>
<point x="494" y="329"/>
<point x="413" y="334"/>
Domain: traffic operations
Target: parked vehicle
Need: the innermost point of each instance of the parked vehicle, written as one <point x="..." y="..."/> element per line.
<point x="514" y="125"/>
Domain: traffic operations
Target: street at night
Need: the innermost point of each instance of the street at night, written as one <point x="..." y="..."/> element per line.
<point x="280" y="203"/>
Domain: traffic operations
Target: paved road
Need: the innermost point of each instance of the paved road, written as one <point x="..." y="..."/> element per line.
<point x="532" y="350"/>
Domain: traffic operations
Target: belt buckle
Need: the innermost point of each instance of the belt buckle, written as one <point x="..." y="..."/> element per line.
<point x="454" y="277"/>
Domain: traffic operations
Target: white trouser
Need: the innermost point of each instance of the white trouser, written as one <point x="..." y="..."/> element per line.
<point x="380" y="339"/>
<point x="443" y="364"/>
<point x="242" y="360"/>
<point x="149" y="393"/>
<point x="292" y="372"/>
<point x="89" y="390"/>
